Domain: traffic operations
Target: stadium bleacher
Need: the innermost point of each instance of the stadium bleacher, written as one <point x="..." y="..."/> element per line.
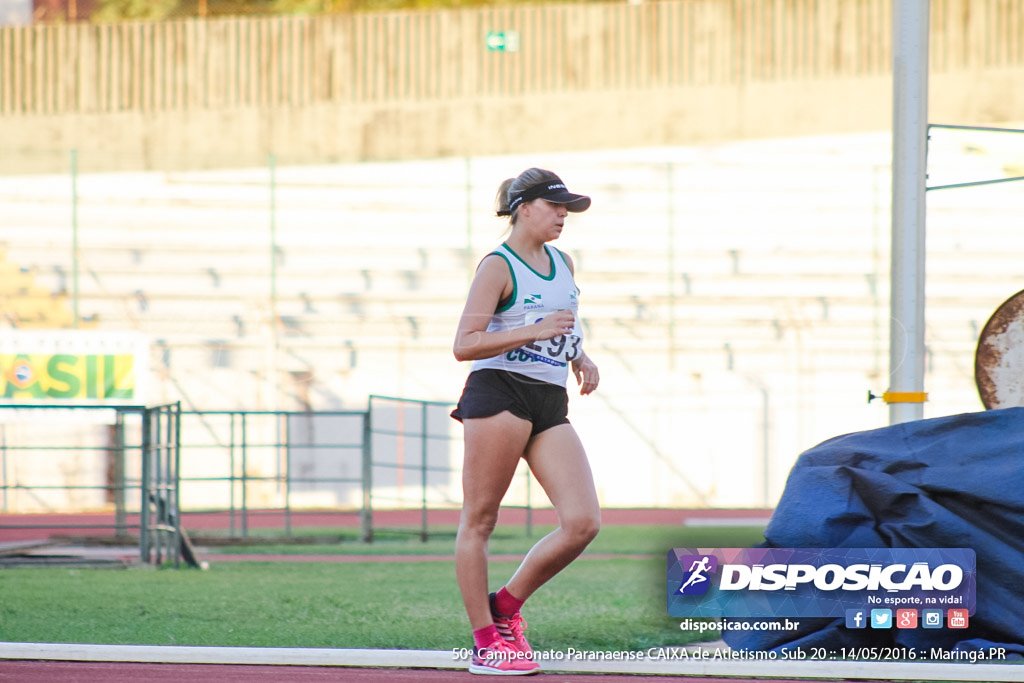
<point x="708" y="284"/>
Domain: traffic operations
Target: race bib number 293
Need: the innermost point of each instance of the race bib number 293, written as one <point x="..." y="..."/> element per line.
<point x="559" y="350"/>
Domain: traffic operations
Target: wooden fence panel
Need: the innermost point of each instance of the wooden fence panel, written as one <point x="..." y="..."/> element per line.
<point x="18" y="102"/>
<point x="417" y="56"/>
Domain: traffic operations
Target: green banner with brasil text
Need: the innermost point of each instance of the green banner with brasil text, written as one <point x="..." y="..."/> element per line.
<point x="67" y="366"/>
<point x="67" y="376"/>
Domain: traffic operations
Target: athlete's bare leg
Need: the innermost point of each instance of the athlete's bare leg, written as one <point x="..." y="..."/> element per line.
<point x="560" y="465"/>
<point x="493" y="448"/>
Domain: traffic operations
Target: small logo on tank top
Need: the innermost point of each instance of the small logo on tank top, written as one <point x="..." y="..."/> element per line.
<point x="532" y="302"/>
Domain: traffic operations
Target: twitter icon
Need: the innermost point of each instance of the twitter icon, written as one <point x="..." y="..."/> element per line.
<point x="881" y="618"/>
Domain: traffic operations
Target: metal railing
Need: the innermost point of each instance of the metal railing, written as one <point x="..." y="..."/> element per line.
<point x="410" y="463"/>
<point x="160" y="532"/>
<point x="151" y="471"/>
<point x="83" y="458"/>
<point x="245" y="471"/>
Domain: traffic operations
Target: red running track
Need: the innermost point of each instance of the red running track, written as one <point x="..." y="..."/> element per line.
<point x="102" y="523"/>
<point x="103" y="672"/>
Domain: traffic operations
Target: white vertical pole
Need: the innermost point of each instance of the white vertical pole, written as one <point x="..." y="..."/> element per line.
<point x="909" y="152"/>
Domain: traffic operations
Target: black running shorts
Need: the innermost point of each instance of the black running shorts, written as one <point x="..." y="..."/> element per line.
<point x="489" y="392"/>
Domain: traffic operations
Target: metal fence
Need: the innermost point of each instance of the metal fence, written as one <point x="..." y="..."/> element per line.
<point x="160" y="529"/>
<point x="246" y="472"/>
<point x="410" y="462"/>
<point x="501" y="51"/>
<point x="82" y="458"/>
<point x="151" y="471"/>
<point x="395" y="466"/>
<point x="413" y="465"/>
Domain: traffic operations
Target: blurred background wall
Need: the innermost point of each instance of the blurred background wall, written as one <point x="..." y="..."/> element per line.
<point x="342" y="87"/>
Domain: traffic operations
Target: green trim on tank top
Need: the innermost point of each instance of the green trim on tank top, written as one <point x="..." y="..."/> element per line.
<point x="551" y="260"/>
<point x="515" y="284"/>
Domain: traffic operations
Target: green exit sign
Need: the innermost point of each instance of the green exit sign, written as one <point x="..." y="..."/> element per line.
<point x="503" y="41"/>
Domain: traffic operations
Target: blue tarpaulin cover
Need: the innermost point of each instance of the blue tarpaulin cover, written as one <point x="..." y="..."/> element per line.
<point x="948" y="482"/>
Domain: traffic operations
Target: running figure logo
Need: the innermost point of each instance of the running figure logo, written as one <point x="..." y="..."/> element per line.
<point x="699" y="566"/>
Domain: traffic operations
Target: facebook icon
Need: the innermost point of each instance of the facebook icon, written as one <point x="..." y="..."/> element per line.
<point x="856" y="618"/>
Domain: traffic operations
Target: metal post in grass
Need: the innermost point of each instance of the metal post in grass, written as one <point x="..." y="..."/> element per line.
<point x="120" y="518"/>
<point x="287" y="471"/>
<point x="245" y="477"/>
<point x="158" y="482"/>
<point x="366" y="509"/>
<point x="423" y="470"/>
<point x="173" y="513"/>
<point x="232" y="477"/>
<point x="147" y="473"/>
<point x="176" y="453"/>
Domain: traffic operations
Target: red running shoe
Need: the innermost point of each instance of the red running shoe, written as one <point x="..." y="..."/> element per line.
<point x="501" y="659"/>
<point x="511" y="629"/>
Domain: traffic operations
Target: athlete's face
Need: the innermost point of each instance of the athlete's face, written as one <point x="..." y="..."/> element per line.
<point x="547" y="218"/>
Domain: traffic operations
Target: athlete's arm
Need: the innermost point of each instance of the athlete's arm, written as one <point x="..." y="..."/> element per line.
<point x="492" y="283"/>
<point x="587" y="376"/>
<point x="585" y="370"/>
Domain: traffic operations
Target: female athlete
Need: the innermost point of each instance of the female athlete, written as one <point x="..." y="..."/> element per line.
<point x="521" y="329"/>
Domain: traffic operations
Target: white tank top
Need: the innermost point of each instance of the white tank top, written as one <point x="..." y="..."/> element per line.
<point x="533" y="297"/>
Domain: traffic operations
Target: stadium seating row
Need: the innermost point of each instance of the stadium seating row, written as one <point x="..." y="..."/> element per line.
<point x="734" y="262"/>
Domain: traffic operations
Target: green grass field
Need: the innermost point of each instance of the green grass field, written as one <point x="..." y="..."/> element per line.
<point x="599" y="604"/>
